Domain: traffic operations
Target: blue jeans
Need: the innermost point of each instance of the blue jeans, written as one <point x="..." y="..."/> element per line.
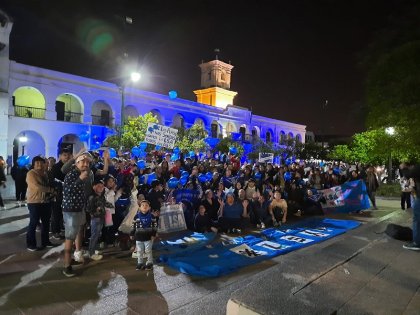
<point x="144" y="248"/>
<point x="96" y="225"/>
<point x="38" y="211"/>
<point x="416" y="221"/>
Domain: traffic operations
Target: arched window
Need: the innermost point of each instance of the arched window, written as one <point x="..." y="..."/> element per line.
<point x="178" y="121"/>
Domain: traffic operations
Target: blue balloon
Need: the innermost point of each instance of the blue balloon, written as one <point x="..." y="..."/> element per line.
<point x="141" y="179"/>
<point x="142" y="154"/>
<point x="150" y="178"/>
<point x="321" y="164"/>
<point x="185" y="173"/>
<point x="202" y="178"/>
<point x="150" y="129"/>
<point x="143" y="145"/>
<point x="158" y="147"/>
<point x="209" y="176"/>
<point x="84" y="136"/>
<point x="174" y="157"/>
<point x="247" y="147"/>
<point x="135" y="151"/>
<point x="141" y="164"/>
<point x="288" y="162"/>
<point x="183" y="180"/>
<point x="233" y="150"/>
<point x="112" y="153"/>
<point x="287" y="176"/>
<point x="23" y="160"/>
<point x="176" y="150"/>
<point x="173" y="182"/>
<point x="258" y="176"/>
<point x="173" y="94"/>
<point x="192" y="154"/>
<point x="212" y="142"/>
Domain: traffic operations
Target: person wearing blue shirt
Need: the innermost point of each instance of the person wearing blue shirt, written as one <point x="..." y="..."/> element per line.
<point x="232" y="214"/>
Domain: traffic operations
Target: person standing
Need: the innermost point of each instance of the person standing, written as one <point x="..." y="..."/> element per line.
<point x="2" y="184"/>
<point x="58" y="176"/>
<point x="38" y="204"/>
<point x="19" y="176"/>
<point x="406" y="190"/>
<point x="414" y="172"/>
<point x="372" y="185"/>
<point x="74" y="203"/>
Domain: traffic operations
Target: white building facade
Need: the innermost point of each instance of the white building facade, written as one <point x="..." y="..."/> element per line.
<point x="51" y="109"/>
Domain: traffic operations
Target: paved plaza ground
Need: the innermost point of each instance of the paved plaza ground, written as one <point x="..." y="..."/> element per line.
<point x="360" y="272"/>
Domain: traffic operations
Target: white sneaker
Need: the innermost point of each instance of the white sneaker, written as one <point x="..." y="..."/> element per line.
<point x="98" y="252"/>
<point x="96" y="257"/>
<point x="78" y="256"/>
<point x="135" y="255"/>
<point x="262" y="225"/>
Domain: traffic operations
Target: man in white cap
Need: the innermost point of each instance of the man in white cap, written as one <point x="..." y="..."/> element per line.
<point x="74" y="203"/>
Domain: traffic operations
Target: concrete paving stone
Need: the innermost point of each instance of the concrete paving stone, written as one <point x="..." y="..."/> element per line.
<point x="50" y="308"/>
<point x="148" y="303"/>
<point x="413" y="308"/>
<point x="213" y="303"/>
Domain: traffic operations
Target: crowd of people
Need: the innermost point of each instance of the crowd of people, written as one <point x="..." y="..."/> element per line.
<point x="89" y="196"/>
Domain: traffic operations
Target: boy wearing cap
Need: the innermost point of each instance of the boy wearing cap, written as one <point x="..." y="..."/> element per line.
<point x="144" y="230"/>
<point x="96" y="208"/>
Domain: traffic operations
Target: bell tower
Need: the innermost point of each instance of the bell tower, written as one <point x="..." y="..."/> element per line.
<point x="5" y="29"/>
<point x="215" y="84"/>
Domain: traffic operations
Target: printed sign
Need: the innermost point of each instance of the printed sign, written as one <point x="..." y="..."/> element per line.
<point x="171" y="219"/>
<point x="265" y="157"/>
<point x="247" y="251"/>
<point x="296" y="239"/>
<point x="161" y="135"/>
<point x="271" y="245"/>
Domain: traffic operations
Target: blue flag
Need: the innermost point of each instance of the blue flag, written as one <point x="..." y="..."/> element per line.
<point x="349" y="197"/>
<point x="223" y="258"/>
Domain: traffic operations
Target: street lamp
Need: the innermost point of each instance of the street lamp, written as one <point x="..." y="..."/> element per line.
<point x="134" y="77"/>
<point x="390" y="131"/>
<point x="23" y="139"/>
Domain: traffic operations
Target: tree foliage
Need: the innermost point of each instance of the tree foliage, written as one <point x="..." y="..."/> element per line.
<point x="192" y="139"/>
<point x="226" y="143"/>
<point x="392" y="63"/>
<point x="375" y="147"/>
<point x="134" y="132"/>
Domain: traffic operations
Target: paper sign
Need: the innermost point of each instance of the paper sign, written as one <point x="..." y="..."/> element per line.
<point x="161" y="135"/>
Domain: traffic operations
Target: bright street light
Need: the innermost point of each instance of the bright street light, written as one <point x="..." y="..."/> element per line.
<point x="23" y="139"/>
<point x="135" y="76"/>
<point x="390" y="131"/>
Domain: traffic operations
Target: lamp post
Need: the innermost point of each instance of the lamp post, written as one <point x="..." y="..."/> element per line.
<point x="390" y="131"/>
<point x="134" y="77"/>
<point x="23" y="139"/>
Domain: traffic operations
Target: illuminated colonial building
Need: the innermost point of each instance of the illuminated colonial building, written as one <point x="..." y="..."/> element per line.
<point x="51" y="108"/>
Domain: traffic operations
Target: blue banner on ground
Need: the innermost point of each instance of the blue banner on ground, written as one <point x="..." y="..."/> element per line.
<point x="349" y="197"/>
<point x="184" y="244"/>
<point x="224" y="258"/>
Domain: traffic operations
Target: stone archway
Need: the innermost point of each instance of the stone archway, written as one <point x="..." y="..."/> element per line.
<point x="28" y="102"/>
<point x="102" y="114"/>
<point x="69" y="107"/>
<point x="130" y="111"/>
<point x="28" y="142"/>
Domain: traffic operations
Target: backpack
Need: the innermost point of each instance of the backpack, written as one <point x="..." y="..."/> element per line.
<point x="398" y="232"/>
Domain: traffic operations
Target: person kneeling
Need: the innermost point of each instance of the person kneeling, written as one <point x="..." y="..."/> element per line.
<point x="202" y="221"/>
<point x="144" y="231"/>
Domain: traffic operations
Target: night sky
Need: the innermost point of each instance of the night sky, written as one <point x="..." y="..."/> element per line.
<point x="289" y="57"/>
